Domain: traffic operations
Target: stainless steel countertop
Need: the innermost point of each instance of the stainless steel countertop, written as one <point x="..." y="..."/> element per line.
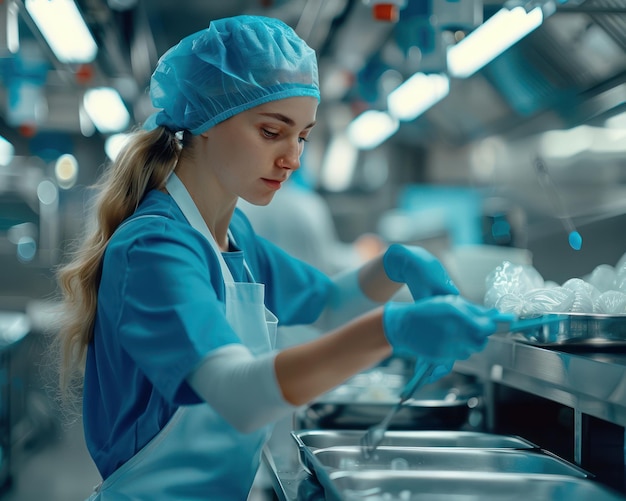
<point x="592" y="383"/>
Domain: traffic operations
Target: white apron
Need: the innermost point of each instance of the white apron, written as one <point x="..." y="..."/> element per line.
<point x="198" y="455"/>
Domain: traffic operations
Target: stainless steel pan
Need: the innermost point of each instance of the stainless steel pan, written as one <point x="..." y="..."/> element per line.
<point x="579" y="331"/>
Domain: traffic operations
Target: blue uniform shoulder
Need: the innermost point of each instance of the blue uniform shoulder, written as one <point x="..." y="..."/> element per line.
<point x="155" y="204"/>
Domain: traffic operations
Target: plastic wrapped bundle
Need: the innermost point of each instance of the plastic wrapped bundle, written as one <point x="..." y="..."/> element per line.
<point x="513" y="281"/>
<point x="603" y="277"/>
<point x="610" y="302"/>
<point x="585" y="295"/>
<point x="547" y="300"/>
<point x="521" y="290"/>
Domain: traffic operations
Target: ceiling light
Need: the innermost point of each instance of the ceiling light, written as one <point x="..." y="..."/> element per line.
<point x="498" y="33"/>
<point x="617" y="121"/>
<point x="371" y="128"/>
<point x="9" y="16"/>
<point x="114" y="144"/>
<point x="106" y="110"/>
<point x="564" y="144"/>
<point x="66" y="171"/>
<point x="64" y="29"/>
<point x="416" y="95"/>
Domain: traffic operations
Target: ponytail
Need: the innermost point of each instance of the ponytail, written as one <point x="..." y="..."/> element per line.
<point x="143" y="164"/>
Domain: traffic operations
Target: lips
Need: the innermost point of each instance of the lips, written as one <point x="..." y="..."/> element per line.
<point x="272" y="183"/>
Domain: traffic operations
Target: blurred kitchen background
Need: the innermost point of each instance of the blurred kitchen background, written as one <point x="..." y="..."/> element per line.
<point x="433" y="126"/>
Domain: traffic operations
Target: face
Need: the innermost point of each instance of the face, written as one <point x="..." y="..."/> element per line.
<point x="251" y="154"/>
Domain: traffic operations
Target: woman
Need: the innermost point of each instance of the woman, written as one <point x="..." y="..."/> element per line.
<point x="171" y="304"/>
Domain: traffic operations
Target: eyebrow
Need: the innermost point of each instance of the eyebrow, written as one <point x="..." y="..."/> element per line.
<point x="285" y="119"/>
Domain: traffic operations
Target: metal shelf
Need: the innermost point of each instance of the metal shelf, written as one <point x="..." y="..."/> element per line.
<point x="590" y="383"/>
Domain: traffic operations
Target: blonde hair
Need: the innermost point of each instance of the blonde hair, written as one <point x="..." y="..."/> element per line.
<point x="143" y="164"/>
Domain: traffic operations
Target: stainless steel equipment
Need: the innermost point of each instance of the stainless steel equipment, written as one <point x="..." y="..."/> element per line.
<point x="390" y="458"/>
<point x="321" y="439"/>
<point x="456" y="457"/>
<point x="579" y="331"/>
<point x="460" y="486"/>
<point x="366" y="399"/>
<point x="376" y="433"/>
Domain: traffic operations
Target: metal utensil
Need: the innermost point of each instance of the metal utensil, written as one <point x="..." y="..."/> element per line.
<point x="375" y="434"/>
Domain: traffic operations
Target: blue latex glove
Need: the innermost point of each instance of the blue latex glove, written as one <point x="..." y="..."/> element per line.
<point x="443" y="368"/>
<point x="419" y="269"/>
<point x="440" y="328"/>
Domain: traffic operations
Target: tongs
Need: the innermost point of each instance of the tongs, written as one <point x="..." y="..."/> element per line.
<point x="506" y="323"/>
<point x="375" y="434"/>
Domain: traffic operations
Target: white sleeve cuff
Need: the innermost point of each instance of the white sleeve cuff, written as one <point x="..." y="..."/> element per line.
<point x="241" y="388"/>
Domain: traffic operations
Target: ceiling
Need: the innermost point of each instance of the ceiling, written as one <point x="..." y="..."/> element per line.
<point x="571" y="70"/>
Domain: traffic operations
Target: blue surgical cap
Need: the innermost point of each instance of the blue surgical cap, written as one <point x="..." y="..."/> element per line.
<point x="235" y="64"/>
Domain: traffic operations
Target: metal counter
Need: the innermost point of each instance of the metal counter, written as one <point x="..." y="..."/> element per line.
<point x="589" y="383"/>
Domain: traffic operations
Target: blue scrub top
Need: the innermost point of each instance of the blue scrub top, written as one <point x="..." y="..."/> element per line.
<point x="161" y="311"/>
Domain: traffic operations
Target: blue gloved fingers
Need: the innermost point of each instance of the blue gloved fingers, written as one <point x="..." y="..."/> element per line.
<point x="440" y="327"/>
<point x="419" y="269"/>
<point x="502" y="317"/>
<point x="442" y="368"/>
<point x="476" y="325"/>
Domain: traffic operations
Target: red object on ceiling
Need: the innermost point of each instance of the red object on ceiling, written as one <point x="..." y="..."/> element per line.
<point x="388" y="12"/>
<point x="27" y="130"/>
<point x="84" y="74"/>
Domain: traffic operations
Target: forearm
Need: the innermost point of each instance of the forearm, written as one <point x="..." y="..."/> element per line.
<point x="355" y="293"/>
<point x="274" y="384"/>
<point x="306" y="371"/>
<point x="374" y="282"/>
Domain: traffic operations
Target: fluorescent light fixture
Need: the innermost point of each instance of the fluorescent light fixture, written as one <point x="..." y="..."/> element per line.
<point x="114" y="144"/>
<point x="607" y="141"/>
<point x="498" y="33"/>
<point x="564" y="144"/>
<point x="371" y="128"/>
<point x="416" y="95"/>
<point x="617" y="121"/>
<point x="106" y="110"/>
<point x="12" y="33"/>
<point x="64" y="29"/>
<point x="66" y="171"/>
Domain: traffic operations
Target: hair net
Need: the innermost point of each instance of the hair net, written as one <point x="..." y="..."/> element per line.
<point x="235" y="64"/>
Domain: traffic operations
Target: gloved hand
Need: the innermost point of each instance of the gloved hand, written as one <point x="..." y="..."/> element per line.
<point x="419" y="269"/>
<point x="443" y="368"/>
<point x="440" y="328"/>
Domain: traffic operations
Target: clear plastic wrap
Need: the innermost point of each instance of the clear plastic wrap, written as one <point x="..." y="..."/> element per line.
<point x="521" y="290"/>
<point x="611" y="302"/>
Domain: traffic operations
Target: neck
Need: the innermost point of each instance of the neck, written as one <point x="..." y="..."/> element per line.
<point x="216" y="211"/>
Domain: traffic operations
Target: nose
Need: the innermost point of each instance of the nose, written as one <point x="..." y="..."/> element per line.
<point x="290" y="158"/>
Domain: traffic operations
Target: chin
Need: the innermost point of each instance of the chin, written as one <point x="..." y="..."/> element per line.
<point x="260" y="200"/>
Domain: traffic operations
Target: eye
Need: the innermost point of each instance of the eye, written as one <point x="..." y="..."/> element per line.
<point x="303" y="139"/>
<point x="268" y="133"/>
